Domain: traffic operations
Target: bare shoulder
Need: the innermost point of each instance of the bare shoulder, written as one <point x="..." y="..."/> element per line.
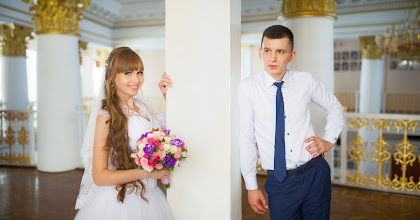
<point x="102" y="127"/>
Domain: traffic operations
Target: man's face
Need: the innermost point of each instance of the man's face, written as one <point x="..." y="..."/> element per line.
<point x="276" y="54"/>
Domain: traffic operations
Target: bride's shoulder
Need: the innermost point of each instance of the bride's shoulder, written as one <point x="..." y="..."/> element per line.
<point x="104" y="112"/>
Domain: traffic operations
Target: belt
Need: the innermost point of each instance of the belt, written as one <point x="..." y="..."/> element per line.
<point x="302" y="169"/>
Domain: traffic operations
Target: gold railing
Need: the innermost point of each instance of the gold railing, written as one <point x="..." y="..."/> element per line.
<point x="405" y="103"/>
<point x="392" y="139"/>
<point x="17" y="144"/>
<point x="393" y="102"/>
<point x="349" y="100"/>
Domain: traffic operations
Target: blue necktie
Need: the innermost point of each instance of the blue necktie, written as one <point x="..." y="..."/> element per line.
<point x="279" y="152"/>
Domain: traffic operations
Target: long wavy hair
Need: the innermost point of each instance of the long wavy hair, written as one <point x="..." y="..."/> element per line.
<point x="120" y="60"/>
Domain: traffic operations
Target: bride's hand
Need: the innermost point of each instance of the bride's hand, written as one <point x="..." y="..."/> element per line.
<point x="165" y="83"/>
<point x="159" y="174"/>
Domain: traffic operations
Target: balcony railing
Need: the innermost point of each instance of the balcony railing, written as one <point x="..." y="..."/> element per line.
<point x="392" y="102"/>
<point x="379" y="151"/>
<point x="17" y="139"/>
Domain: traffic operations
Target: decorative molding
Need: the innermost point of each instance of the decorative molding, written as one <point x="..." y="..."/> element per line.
<point x="14" y="9"/>
<point x="16" y="19"/>
<point x="369" y="49"/>
<point x="304" y="8"/>
<point x="13" y="39"/>
<point x="374" y="7"/>
<point x="57" y="16"/>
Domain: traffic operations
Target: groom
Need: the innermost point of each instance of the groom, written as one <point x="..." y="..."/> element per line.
<point x="274" y="113"/>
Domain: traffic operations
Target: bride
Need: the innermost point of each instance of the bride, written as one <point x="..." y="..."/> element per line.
<point x="112" y="187"/>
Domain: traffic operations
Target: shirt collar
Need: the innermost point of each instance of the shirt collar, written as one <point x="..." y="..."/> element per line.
<point x="269" y="80"/>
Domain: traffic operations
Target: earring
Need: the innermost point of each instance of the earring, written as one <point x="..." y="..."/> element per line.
<point x="112" y="84"/>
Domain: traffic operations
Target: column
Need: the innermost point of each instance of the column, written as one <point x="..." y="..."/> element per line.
<point x="312" y="23"/>
<point x="59" y="93"/>
<point x="371" y="76"/>
<point x="371" y="89"/>
<point x="13" y="74"/>
<point x="203" y="55"/>
<point x="246" y="60"/>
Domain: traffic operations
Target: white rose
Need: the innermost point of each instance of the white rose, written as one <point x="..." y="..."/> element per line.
<point x="174" y="149"/>
<point x="141" y="146"/>
<point x="177" y="163"/>
<point x="149" y="135"/>
<point x="166" y="147"/>
<point x="167" y="140"/>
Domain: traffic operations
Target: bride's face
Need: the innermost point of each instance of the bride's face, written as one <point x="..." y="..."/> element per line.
<point x="128" y="83"/>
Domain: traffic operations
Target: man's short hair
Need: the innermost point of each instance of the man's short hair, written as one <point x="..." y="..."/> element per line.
<point x="277" y="32"/>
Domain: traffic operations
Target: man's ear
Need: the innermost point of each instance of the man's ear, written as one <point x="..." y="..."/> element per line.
<point x="292" y="57"/>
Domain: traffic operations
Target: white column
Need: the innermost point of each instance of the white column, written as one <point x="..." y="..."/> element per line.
<point x="371" y="89"/>
<point x="14" y="85"/>
<point x="314" y="46"/>
<point x="246" y="61"/>
<point x="203" y="55"/>
<point x="59" y="95"/>
<point x="371" y="86"/>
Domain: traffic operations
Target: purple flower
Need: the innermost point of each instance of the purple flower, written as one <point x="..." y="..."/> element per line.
<point x="149" y="149"/>
<point x="167" y="131"/>
<point x="168" y="161"/>
<point x="177" y="143"/>
<point x="144" y="135"/>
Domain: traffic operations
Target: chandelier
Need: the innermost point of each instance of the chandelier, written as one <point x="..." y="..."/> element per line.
<point x="402" y="39"/>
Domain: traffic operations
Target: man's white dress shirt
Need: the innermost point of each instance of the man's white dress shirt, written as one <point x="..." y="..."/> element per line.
<point x="257" y="120"/>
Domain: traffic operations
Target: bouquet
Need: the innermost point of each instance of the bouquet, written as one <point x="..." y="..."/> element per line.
<point x="159" y="150"/>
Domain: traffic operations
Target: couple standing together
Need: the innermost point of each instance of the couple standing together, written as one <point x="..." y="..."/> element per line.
<point x="274" y="114"/>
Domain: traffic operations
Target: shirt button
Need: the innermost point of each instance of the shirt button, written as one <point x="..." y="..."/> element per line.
<point x="285" y="116"/>
<point x="287" y="133"/>
<point x="291" y="150"/>
<point x="296" y="165"/>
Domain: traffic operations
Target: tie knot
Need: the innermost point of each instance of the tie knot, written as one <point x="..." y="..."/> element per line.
<point x="278" y="84"/>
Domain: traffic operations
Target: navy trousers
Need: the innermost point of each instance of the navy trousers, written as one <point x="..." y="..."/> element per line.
<point x="306" y="196"/>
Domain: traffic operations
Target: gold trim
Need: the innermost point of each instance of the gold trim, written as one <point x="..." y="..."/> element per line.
<point x="57" y="16"/>
<point x="304" y="8"/>
<point x="13" y="39"/>
<point x="370" y="51"/>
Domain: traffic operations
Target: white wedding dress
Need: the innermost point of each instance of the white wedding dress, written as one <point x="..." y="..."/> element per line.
<point x="100" y="202"/>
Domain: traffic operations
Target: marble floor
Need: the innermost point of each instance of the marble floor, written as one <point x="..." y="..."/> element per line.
<point x="26" y="193"/>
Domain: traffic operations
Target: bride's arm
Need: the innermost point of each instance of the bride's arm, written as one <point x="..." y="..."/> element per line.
<point x="103" y="176"/>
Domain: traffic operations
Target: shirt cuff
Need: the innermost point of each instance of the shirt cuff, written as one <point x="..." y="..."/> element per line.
<point x="330" y="138"/>
<point x="251" y="183"/>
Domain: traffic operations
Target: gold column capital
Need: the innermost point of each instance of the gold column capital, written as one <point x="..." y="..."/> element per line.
<point x="82" y="46"/>
<point x="370" y="51"/>
<point x="57" y="16"/>
<point x="13" y="39"/>
<point x="308" y="8"/>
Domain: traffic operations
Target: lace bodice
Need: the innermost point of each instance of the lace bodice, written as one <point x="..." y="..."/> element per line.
<point x="138" y="124"/>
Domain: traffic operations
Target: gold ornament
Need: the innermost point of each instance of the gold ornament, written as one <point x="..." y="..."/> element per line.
<point x="82" y="46"/>
<point x="13" y="39"/>
<point x="57" y="16"/>
<point x="370" y="51"/>
<point x="358" y="151"/>
<point x="308" y="8"/>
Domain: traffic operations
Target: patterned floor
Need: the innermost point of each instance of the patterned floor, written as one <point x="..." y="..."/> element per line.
<point x="26" y="193"/>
